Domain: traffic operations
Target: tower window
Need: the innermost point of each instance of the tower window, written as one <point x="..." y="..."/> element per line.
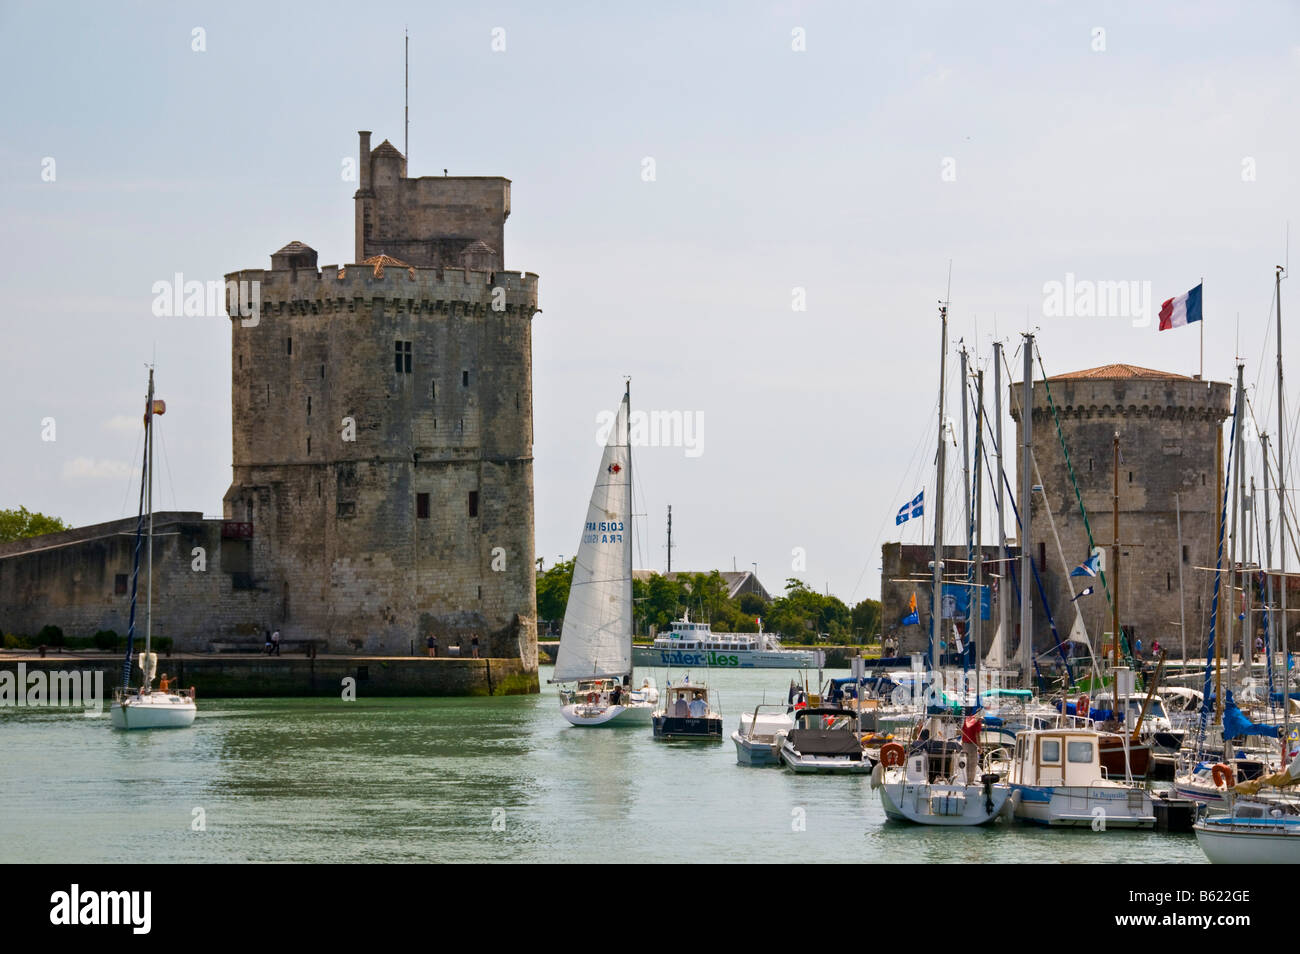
<point x="309" y="445"/>
<point x="464" y="379"/>
<point x="322" y="372"/>
<point x="288" y="346"/>
<point x="422" y="506"/>
<point x="473" y="503"/>
<point x="241" y="361"/>
<point x="433" y="390"/>
<point x="309" y="405"/>
<point x="1130" y="476"/>
<point x="1090" y="465"/>
<point x="1168" y="582"/>
<point x="402" y="357"/>
<point x="1184" y="553"/>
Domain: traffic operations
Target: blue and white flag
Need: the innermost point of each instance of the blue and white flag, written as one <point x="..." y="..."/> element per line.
<point x="912" y="510"/>
<point x="1088" y="567"/>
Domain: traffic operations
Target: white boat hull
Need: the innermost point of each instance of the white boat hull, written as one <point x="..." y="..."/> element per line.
<point x="154" y="711"/>
<point x="753" y="752"/>
<point x="926" y="803"/>
<point x="591" y="716"/>
<point x="1254" y="841"/>
<point x="824" y="764"/>
<point x="1099" y="807"/>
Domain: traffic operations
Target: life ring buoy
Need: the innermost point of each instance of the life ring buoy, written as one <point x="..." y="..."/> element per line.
<point x="1223" y="776"/>
<point x="591" y="698"/>
<point x="1081" y="706"/>
<point x="892" y="753"/>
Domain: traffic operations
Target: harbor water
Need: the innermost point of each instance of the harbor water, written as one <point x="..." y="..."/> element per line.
<point x="464" y="780"/>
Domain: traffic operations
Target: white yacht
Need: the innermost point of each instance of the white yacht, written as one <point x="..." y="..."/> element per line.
<point x="1057" y="779"/>
<point x="694" y="644"/>
<point x="596" y="639"/>
<point x="825" y="741"/>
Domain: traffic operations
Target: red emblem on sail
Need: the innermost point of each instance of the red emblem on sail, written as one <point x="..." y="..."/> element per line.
<point x="614" y="468"/>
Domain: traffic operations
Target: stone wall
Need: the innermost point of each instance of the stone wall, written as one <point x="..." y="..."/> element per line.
<point x="1169" y="431"/>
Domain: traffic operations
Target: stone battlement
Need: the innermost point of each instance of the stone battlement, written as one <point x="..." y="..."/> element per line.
<point x="345" y="289"/>
<point x="1171" y="399"/>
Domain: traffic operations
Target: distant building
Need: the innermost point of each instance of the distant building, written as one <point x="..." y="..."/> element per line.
<point x="1170" y="430"/>
<point x="382" y="484"/>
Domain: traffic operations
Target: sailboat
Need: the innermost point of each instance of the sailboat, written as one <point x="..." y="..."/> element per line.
<point x="596" y="638"/>
<point x="145" y="707"/>
<point x="925" y="784"/>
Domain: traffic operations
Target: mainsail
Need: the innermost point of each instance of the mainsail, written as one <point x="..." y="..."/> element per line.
<point x="596" y="640"/>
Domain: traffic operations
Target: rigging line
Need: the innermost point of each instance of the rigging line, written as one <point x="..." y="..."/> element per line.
<point x="1069" y="467"/>
<point x="131" y="477"/>
<point x="1214" y="601"/>
<point x="168" y="465"/>
<point x="1268" y="336"/>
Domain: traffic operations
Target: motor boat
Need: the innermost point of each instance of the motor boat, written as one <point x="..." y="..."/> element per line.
<point x="759" y="736"/>
<point x="686" y="712"/>
<point x="825" y="741"/>
<point x="1057" y="780"/>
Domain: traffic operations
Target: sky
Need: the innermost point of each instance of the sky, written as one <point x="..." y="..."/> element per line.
<point x="751" y="209"/>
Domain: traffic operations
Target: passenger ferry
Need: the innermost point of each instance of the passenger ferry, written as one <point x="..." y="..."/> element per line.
<point x="695" y="644"/>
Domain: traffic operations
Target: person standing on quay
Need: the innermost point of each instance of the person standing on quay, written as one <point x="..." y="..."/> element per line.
<point x="432" y="644"/>
<point x="474" y="645"/>
<point x="275" y="643"/>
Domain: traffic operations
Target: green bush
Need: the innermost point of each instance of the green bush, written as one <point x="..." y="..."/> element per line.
<point x="49" y="636"/>
<point x="17" y="641"/>
<point x="105" y="639"/>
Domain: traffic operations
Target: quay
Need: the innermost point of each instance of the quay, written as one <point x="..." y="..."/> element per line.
<point x="241" y="675"/>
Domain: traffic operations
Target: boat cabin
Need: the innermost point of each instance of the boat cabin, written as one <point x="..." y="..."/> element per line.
<point x="1056" y="757"/>
<point x="826" y="732"/>
<point x="687" y="702"/>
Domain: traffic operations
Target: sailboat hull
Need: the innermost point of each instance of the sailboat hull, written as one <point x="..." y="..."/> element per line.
<point x="945" y="805"/>
<point x="1254" y="841"/>
<point x="154" y="711"/>
<point x="589" y="716"/>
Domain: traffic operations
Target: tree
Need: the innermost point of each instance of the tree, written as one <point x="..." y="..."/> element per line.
<point x="553" y="590"/>
<point x="866" y="619"/>
<point x="22" y="523"/>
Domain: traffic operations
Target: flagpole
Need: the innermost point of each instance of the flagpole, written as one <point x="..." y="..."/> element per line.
<point x="1201" y="376"/>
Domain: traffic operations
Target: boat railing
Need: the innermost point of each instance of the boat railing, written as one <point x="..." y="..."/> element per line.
<point x="120" y="694"/>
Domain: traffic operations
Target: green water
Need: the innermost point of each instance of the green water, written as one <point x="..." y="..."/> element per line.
<point x="504" y="779"/>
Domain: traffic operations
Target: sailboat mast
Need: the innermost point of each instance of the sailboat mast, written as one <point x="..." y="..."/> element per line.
<point x="936" y="602"/>
<point x="148" y="579"/>
<point x="1004" y="567"/>
<point x="1281" y="507"/>
<point x="1114" y="559"/>
<point x="1026" y="489"/>
<point x="1182" y="603"/>
<point x="1270" y="620"/>
<point x="965" y="476"/>
<point x="1236" y="504"/>
<point x="627" y="558"/>
<point x="977" y="614"/>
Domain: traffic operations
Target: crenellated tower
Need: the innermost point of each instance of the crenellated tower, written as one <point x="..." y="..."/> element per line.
<point x="383" y="424"/>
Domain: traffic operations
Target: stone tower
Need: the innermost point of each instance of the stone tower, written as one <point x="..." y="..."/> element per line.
<point x="1170" y="434"/>
<point x="383" y="425"/>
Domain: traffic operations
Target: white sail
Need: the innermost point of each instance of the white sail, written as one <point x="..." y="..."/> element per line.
<point x="596" y="639"/>
<point x="996" y="657"/>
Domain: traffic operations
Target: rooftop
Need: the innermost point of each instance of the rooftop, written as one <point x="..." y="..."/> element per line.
<point x="1120" y="372"/>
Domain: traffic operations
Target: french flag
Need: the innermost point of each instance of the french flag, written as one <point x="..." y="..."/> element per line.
<point x="1182" y="310"/>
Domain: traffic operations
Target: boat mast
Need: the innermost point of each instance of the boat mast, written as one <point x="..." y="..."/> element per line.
<point x="627" y="559"/>
<point x="1003" y="566"/>
<point x="148" y="579"/>
<point x="1271" y="621"/>
<point x="1238" y="492"/>
<point x="977" y="613"/>
<point x="965" y="481"/>
<point x="1182" y="604"/>
<point x="1281" y="507"/>
<point x="1114" y="602"/>
<point x="936" y="601"/>
<point x="1026" y="489"/>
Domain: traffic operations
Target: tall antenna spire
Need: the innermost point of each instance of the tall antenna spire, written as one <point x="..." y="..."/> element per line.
<point x="406" y="135"/>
